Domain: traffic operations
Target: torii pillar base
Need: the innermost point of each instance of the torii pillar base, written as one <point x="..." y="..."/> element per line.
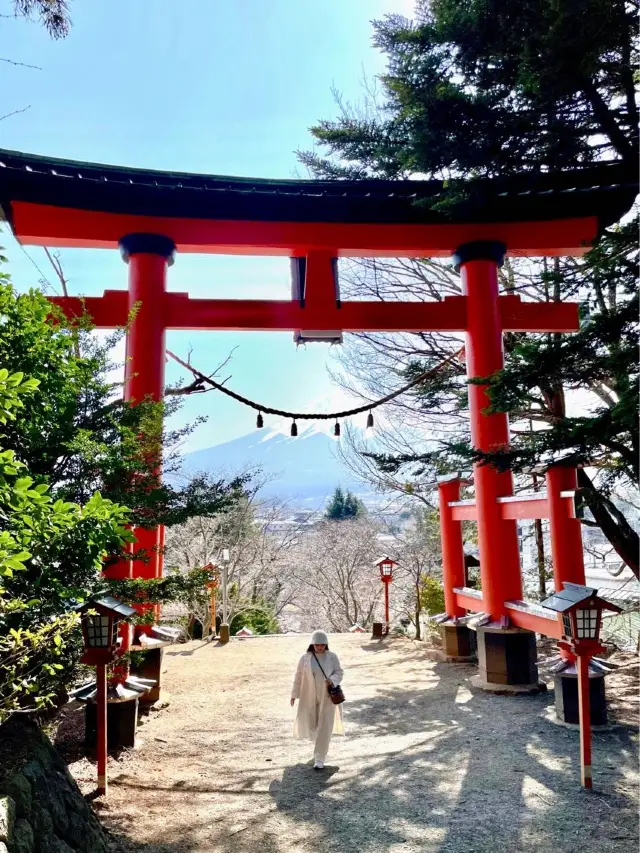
<point x="566" y="694"/>
<point x="507" y="660"/>
<point x="458" y="643"/>
<point x="122" y="724"/>
<point x="150" y="667"/>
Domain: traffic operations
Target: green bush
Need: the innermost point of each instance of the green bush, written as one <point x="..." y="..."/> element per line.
<point x="259" y="618"/>
<point x="40" y="539"/>
<point x="431" y="595"/>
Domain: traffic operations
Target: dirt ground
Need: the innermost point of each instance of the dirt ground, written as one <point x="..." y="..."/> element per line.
<point x="427" y="764"/>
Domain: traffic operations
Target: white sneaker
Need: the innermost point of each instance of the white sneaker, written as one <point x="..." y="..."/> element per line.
<point x="318" y="765"/>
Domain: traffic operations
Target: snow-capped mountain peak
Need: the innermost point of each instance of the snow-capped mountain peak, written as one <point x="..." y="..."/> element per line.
<point x="304" y="469"/>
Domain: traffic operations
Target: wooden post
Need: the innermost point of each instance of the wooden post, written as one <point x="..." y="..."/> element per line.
<point x="212" y="607"/>
<point x="585" y="720"/>
<point x="101" y="727"/>
<point x="386" y="606"/>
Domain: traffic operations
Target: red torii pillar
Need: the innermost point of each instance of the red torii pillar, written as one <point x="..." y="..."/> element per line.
<point x="148" y="256"/>
<point x="565" y="533"/>
<point x="453" y="573"/>
<point x="478" y="264"/>
<point x="456" y="638"/>
<point x="505" y="655"/>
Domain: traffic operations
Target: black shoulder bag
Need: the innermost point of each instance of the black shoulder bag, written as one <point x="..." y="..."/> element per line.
<point x="336" y="693"/>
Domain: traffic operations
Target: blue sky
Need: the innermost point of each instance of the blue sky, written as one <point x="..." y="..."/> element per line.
<point x="215" y="86"/>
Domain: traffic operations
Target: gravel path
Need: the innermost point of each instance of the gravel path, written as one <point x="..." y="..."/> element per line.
<point x="427" y="765"/>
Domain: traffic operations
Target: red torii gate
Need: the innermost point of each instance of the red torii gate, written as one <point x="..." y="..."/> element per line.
<point x="150" y="214"/>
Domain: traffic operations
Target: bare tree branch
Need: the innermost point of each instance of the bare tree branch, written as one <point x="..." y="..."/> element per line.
<point x="54" y="260"/>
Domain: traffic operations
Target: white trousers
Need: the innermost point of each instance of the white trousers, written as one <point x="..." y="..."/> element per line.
<point x="324" y="731"/>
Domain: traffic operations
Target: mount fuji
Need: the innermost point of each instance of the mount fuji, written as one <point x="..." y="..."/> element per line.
<point x="303" y="470"/>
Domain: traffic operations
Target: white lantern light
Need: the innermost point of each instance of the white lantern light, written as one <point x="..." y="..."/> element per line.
<point x="101" y="631"/>
<point x="587" y="623"/>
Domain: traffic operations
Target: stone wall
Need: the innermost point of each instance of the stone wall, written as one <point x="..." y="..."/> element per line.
<point x="41" y="807"/>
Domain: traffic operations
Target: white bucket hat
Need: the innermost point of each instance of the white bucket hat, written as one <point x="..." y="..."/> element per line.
<point x="319" y="638"/>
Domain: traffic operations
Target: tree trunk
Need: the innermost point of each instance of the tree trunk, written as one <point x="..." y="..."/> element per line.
<point x="542" y="570"/>
<point x="616" y="528"/>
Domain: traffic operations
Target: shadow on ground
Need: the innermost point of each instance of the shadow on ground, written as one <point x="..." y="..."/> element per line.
<point x="461" y="773"/>
<point x="430" y="767"/>
<point x="190" y="652"/>
<point x="121" y="844"/>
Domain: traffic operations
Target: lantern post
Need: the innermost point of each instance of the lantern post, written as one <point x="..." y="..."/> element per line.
<point x="580" y="611"/>
<point x="99" y="620"/>
<point x="224" y="627"/>
<point x="386" y="565"/>
<point x="212" y="586"/>
<point x="212" y="605"/>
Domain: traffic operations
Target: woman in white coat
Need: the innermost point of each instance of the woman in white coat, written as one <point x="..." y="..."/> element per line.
<point x="317" y="718"/>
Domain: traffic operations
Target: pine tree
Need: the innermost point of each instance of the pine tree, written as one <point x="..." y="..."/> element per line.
<point x="484" y="89"/>
<point x="342" y="506"/>
<point x="52" y="14"/>
<point x="477" y="88"/>
<point x="335" y="507"/>
<point x="353" y="506"/>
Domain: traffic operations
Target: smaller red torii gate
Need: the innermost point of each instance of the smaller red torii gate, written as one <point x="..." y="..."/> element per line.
<point x="557" y="505"/>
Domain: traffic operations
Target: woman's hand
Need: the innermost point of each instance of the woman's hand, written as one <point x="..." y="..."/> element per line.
<point x="328" y="682"/>
<point x="293" y="701"/>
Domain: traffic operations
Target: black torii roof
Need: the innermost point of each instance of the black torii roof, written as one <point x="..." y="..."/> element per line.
<point x="572" y="595"/>
<point x="605" y="191"/>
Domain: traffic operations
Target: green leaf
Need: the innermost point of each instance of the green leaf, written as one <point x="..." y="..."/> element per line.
<point x="22" y="556"/>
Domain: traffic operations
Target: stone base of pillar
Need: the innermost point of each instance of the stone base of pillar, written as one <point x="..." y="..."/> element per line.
<point x="151" y="667"/>
<point x="225" y="634"/>
<point x="507" y="660"/>
<point x="458" y="643"/>
<point x="122" y="724"/>
<point x="566" y="689"/>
